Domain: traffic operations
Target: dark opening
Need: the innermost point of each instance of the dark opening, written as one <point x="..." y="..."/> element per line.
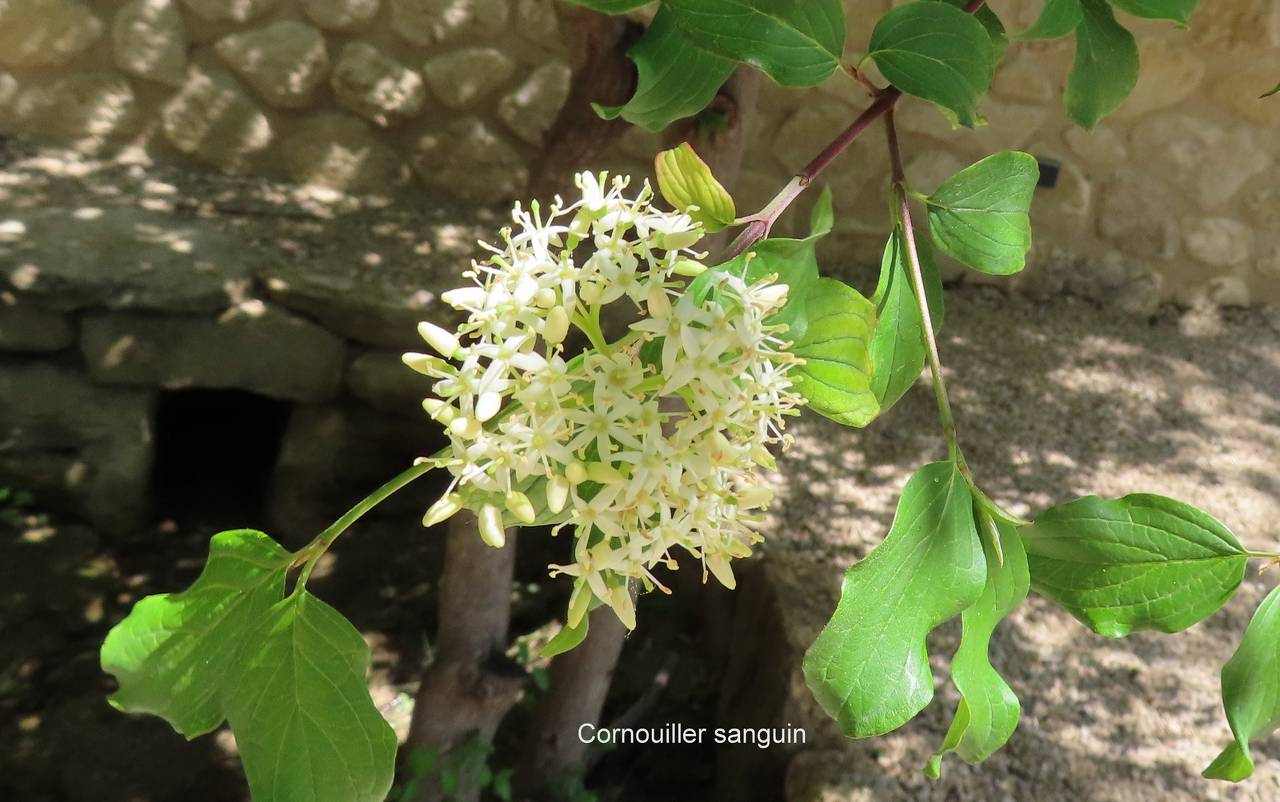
<point x="215" y="451"/>
<point x="1049" y="170"/>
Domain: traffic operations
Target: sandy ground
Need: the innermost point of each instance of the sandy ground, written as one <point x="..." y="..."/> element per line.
<point x="1053" y="401"/>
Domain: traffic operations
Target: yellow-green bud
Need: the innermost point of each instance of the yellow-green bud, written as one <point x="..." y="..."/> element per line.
<point x="443" y="341"/>
<point x="557" y="493"/>
<point x="442" y="510"/>
<point x="521" y="507"/>
<point x="491" y="529"/>
<point x="556" y="326"/>
<point x="576" y="473"/>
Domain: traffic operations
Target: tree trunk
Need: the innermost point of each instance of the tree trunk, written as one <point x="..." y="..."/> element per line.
<point x="470" y="685"/>
<point x="579" y="683"/>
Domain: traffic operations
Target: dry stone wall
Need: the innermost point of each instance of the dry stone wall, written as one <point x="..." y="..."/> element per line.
<point x="1171" y="198"/>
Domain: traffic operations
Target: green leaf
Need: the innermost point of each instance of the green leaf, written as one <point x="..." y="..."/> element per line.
<point x="304" y="724"/>
<point x="897" y="349"/>
<point x="1106" y="65"/>
<point x="1059" y="18"/>
<point x="796" y="42"/>
<point x="567" y="638"/>
<point x="287" y="674"/>
<point x="821" y="218"/>
<point x="935" y="51"/>
<point x="988" y="712"/>
<point x="869" y="668"/>
<point x="610" y="6"/>
<point x="1274" y="91"/>
<point x="980" y="215"/>
<point x="1251" y="691"/>
<point x="1178" y="11"/>
<point x="173" y="652"/>
<point x="995" y="28"/>
<point x="674" y="77"/>
<point x="687" y="184"/>
<point x="1139" y="562"/>
<point x="836" y="375"/>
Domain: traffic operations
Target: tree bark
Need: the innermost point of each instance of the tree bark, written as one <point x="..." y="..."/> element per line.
<point x="468" y="688"/>
<point x="578" y="684"/>
<point x="603" y="74"/>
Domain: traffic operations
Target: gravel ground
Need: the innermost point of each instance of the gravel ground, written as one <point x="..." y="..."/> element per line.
<point x="1056" y="400"/>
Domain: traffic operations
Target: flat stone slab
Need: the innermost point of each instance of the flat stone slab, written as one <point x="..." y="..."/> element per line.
<point x="253" y="347"/>
<point x="67" y="258"/>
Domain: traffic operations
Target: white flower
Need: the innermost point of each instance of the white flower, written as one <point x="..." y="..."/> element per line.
<point x="638" y="447"/>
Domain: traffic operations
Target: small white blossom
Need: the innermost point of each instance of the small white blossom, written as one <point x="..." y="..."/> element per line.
<point x="638" y="453"/>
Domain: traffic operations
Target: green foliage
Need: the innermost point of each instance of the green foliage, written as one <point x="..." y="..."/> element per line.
<point x="869" y="669"/>
<point x="1178" y="11"/>
<point x="1059" y="18"/>
<point x="795" y="42"/>
<point x="1106" y="65"/>
<point x="980" y="215"/>
<point x="688" y="185"/>
<point x="988" y="711"/>
<point x="897" y="349"/>
<point x="674" y="77"/>
<point x="1270" y="92"/>
<point x="287" y="673"/>
<point x="567" y="639"/>
<point x="1138" y="562"/>
<point x="935" y="51"/>
<point x="1251" y="691"/>
<point x="835" y="378"/>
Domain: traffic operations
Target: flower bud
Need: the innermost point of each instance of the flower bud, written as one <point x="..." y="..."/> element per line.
<point x="621" y="602"/>
<point x="464" y="297"/>
<point x="426" y="364"/>
<point x="604" y="473"/>
<point x="590" y="293"/>
<point x="774" y="294"/>
<point x="576" y="473"/>
<point x="689" y="268"/>
<point x="658" y="302"/>
<point x="442" y="411"/>
<point x="491" y="531"/>
<point x="754" y="497"/>
<point x="579" y="604"/>
<point x="676" y="240"/>
<point x="720" y="567"/>
<point x="487" y="405"/>
<point x="556" y="326"/>
<point x="557" y="493"/>
<point x="465" y="426"/>
<point x="545" y="298"/>
<point x="443" y="509"/>
<point x="521" y="507"/>
<point x="443" y="341"/>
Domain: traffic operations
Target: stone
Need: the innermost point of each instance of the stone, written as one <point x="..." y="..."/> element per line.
<point x="45" y="33"/>
<point x="212" y="120"/>
<point x="333" y="453"/>
<point x="1010" y="126"/>
<point x="285" y="62"/>
<point x="538" y="22"/>
<point x="76" y="446"/>
<point x="1171" y="72"/>
<point x="86" y="109"/>
<point x="1208" y="160"/>
<point x="1101" y="146"/>
<point x="376" y="86"/>
<point x="807" y="131"/>
<point x="1023" y="78"/>
<point x="532" y="107"/>
<point x="1241" y="91"/>
<point x="1062" y="211"/>
<point x="426" y="22"/>
<point x="472" y="161"/>
<point x="253" y="347"/>
<point x="342" y="152"/>
<point x="340" y="15"/>
<point x="1127" y="216"/>
<point x="149" y="41"/>
<point x="24" y="327"/>
<point x="122" y="258"/>
<point x="1228" y="291"/>
<point x="382" y="380"/>
<point x="1218" y="241"/>
<point x="230" y="10"/>
<point x="929" y="169"/>
<point x="462" y="77"/>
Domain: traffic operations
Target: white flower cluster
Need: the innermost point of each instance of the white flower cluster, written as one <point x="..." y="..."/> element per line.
<point x="639" y="452"/>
